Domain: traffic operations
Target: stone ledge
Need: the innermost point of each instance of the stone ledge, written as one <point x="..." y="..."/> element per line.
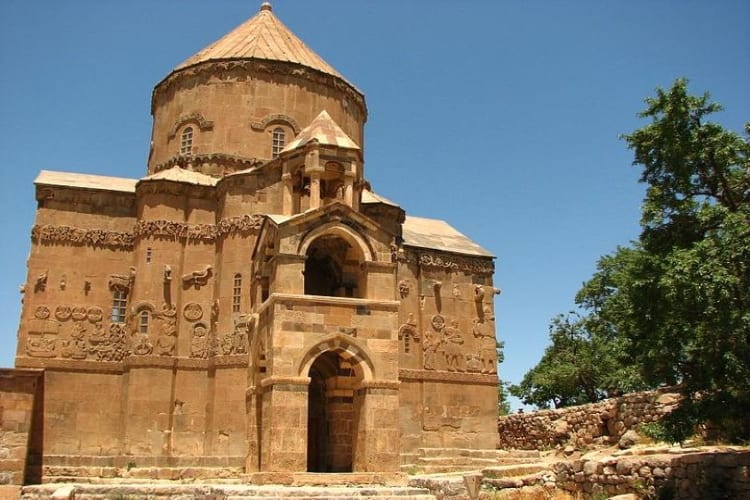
<point x="445" y="376"/>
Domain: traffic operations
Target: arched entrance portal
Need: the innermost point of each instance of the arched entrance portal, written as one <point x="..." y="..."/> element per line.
<point x="331" y="414"/>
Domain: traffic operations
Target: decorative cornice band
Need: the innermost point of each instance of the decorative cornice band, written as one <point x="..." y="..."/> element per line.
<point x="445" y="376"/>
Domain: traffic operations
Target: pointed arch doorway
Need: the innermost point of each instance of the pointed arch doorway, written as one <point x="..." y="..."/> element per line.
<point x="331" y="414"/>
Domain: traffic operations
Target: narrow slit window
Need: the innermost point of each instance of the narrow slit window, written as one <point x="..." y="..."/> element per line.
<point x="143" y="319"/>
<point x="119" y="304"/>
<point x="279" y="140"/>
<point x="148" y="255"/>
<point x="186" y="141"/>
<point x="237" y="293"/>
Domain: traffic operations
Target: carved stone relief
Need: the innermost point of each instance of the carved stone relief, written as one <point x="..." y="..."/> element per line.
<point x="453" y="340"/>
<point x="192" y="311"/>
<point x="62" y="313"/>
<point x="125" y="241"/>
<point x="110" y="345"/>
<point x="238" y="340"/>
<point x="76" y="347"/>
<point x="197" y="232"/>
<point x="41" y="282"/>
<point x="141" y="345"/>
<point x="455" y="263"/>
<point x="485" y="332"/>
<point x="445" y="347"/>
<point x="78" y="236"/>
<point x="201" y="345"/>
<point x="42" y="312"/>
<point x="167" y="339"/>
<point x="76" y="332"/>
<point x="408" y="333"/>
<point x="95" y="314"/>
<point x="197" y="278"/>
<point x="122" y="281"/>
<point x="79" y="313"/>
<point x="403" y="288"/>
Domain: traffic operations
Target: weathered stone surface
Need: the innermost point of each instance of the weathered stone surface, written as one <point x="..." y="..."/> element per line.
<point x="629" y="439"/>
<point x="585" y="426"/>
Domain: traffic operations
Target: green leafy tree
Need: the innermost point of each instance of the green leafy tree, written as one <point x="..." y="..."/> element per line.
<point x="581" y="365"/>
<point x="503" y="405"/>
<point x="675" y="307"/>
<point x="688" y="294"/>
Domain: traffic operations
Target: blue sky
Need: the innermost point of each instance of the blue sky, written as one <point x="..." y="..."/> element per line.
<point x="501" y="117"/>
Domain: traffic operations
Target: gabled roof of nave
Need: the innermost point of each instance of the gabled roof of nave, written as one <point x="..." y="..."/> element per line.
<point x="418" y="232"/>
<point x="262" y="37"/>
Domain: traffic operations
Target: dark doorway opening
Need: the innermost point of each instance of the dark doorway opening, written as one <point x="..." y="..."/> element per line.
<point x="330" y="421"/>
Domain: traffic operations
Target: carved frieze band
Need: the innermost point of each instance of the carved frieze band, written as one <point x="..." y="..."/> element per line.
<point x="197" y="232"/>
<point x="207" y="233"/>
<point x="453" y="263"/>
<point x="78" y="236"/>
<point x="443" y="376"/>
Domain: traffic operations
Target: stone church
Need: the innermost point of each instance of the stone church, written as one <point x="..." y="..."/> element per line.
<point x="250" y="302"/>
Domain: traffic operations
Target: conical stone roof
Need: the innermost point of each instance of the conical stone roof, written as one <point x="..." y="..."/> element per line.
<point x="262" y="37"/>
<point x="324" y="130"/>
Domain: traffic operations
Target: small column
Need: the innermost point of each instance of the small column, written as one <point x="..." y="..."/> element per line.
<point x="286" y="204"/>
<point x="349" y="189"/>
<point x="314" y="170"/>
<point x="315" y="190"/>
<point x="356" y="180"/>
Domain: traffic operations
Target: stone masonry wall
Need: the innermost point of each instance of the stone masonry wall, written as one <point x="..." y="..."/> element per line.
<point x="18" y="390"/>
<point x="596" y="424"/>
<point x="674" y="473"/>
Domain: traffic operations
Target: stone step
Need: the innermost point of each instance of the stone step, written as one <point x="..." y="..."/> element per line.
<point x="506" y="471"/>
<point x="475" y="461"/>
<point x="443" y="469"/>
<point x="225" y="492"/>
<point x="467" y="452"/>
<point x="451" y="464"/>
<point x="57" y="474"/>
<point x="501" y="483"/>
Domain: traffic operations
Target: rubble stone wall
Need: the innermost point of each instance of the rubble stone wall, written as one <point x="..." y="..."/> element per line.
<point x="585" y="426"/>
<point x="698" y="475"/>
<point x="18" y="390"/>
